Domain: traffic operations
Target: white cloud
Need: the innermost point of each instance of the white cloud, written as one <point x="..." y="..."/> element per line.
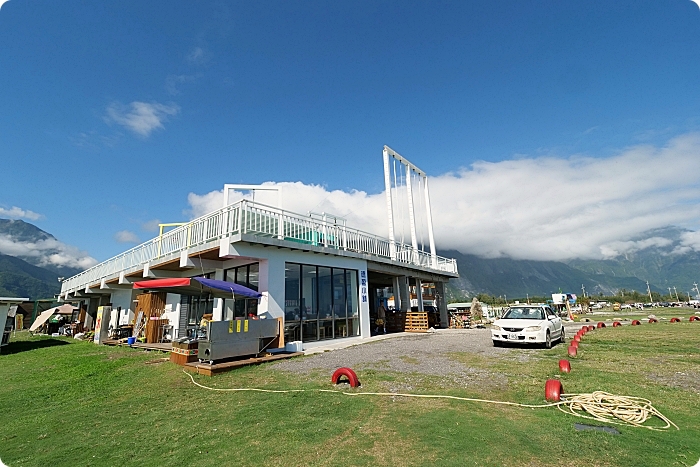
<point x="544" y="208"/>
<point x="140" y="117"/>
<point x="46" y="252"/>
<point x="174" y="82"/>
<point x="689" y="241"/>
<point x="151" y="226"/>
<point x="18" y="213"/>
<point x="125" y="236"/>
<point x="617" y="248"/>
<point x="196" y="56"/>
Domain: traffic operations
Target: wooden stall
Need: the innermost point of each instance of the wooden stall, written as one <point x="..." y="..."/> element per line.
<point x="149" y="308"/>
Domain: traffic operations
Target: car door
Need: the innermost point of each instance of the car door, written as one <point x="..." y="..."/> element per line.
<point x="554" y="320"/>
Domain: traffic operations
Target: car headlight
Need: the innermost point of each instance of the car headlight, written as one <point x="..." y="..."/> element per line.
<point x="533" y="328"/>
<point x="495" y="328"/>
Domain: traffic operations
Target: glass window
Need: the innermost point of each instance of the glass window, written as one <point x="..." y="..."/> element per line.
<point x="309" y="308"/>
<point x="198" y="307"/>
<point x="310" y="330"/>
<point x="325" y="293"/>
<point x="292" y="310"/>
<point x="253" y="276"/>
<point x="351" y="286"/>
<point x="339" y="309"/>
<point x="320" y="303"/>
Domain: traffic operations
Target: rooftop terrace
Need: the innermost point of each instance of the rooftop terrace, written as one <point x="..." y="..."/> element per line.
<point x="256" y="221"/>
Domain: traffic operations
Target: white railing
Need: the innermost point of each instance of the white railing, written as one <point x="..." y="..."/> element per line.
<point x="247" y="217"/>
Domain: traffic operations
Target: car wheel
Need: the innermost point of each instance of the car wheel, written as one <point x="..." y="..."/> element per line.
<point x="562" y="338"/>
<point x="548" y="340"/>
<point x="497" y="343"/>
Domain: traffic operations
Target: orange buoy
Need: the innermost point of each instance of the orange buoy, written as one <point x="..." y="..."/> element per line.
<point x="617" y="324"/>
<point x="601" y="324"/>
<point x="675" y="320"/>
<point x="564" y="366"/>
<point x="348" y="373"/>
<point x="553" y="390"/>
<point x="573" y="350"/>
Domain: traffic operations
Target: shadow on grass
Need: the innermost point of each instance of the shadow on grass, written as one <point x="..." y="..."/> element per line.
<point x="24" y="346"/>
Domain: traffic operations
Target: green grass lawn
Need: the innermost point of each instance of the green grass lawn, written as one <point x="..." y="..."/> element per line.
<point x="64" y="402"/>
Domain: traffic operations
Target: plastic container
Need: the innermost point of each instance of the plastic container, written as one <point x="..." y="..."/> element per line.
<point x="131" y="340"/>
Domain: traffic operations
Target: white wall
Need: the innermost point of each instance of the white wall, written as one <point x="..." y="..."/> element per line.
<point x="172" y="310"/>
<point x="122" y="298"/>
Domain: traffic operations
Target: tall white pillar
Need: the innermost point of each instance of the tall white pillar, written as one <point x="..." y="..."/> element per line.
<point x="389" y="205"/>
<point x="364" y="304"/>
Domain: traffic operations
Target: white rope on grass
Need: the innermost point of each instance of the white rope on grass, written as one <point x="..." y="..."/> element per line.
<point x="602" y="406"/>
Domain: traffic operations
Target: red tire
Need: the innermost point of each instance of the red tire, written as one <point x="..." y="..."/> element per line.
<point x="617" y="324"/>
<point x="575" y="344"/>
<point x="553" y="390"/>
<point x="348" y="373"/>
<point x="572" y="351"/>
<point x="577" y="338"/>
<point x="694" y="318"/>
<point x="564" y="366"/>
<point x="601" y="324"/>
<point x="636" y="322"/>
<point x="675" y="320"/>
<point x="653" y="320"/>
<point x="582" y="331"/>
<point x="591" y="328"/>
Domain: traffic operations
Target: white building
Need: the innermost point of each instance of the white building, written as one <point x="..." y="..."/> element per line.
<point x="321" y="276"/>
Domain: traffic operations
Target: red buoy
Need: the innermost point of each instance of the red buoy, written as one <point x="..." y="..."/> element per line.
<point x="572" y="351"/>
<point x="553" y="390"/>
<point x="564" y="366"/>
<point x="601" y="324"/>
<point x="694" y="318"/>
<point x="617" y="324"/>
<point x="348" y="373"/>
<point x="636" y="322"/>
<point x="653" y="320"/>
<point x="675" y="320"/>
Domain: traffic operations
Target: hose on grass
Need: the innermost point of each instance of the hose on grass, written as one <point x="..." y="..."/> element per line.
<point x="601" y="406"/>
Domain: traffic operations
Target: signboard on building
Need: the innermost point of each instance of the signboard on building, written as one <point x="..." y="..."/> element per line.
<point x="363" y="286"/>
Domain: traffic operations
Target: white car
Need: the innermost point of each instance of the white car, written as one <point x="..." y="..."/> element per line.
<point x="528" y="324"/>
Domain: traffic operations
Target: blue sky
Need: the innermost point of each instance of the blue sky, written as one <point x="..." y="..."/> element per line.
<point x="112" y="113"/>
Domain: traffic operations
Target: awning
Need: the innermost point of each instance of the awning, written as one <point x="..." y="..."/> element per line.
<point x="198" y="286"/>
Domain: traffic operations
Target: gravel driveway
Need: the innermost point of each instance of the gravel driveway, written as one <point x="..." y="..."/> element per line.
<point x="418" y="355"/>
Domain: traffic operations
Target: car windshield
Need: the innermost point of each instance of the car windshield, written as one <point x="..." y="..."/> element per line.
<point x="524" y="313"/>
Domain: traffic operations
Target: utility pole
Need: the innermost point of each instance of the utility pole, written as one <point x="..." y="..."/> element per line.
<point x="506" y="297"/>
<point x="695" y="286"/>
<point x="676" y="292"/>
<point x="528" y="298"/>
<point x="583" y="290"/>
<point x="651" y="300"/>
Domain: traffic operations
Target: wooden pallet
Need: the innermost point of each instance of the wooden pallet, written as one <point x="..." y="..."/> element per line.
<point x="416" y="322"/>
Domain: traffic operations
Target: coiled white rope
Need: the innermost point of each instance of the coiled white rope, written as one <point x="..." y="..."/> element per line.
<point x="602" y="406"/>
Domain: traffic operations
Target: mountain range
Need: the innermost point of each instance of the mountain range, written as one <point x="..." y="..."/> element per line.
<point x="658" y="257"/>
<point x="31" y="274"/>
